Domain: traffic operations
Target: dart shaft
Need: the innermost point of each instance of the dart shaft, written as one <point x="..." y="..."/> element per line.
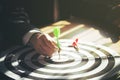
<point x="58" y="43"/>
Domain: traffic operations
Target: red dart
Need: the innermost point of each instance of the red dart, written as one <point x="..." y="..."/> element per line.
<point x="74" y="44"/>
<point x="76" y="40"/>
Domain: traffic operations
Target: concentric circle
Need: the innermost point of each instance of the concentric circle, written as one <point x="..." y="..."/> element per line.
<point x="91" y="62"/>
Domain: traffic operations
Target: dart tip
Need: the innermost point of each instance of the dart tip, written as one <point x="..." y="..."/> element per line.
<point x="76" y="48"/>
<point x="59" y="50"/>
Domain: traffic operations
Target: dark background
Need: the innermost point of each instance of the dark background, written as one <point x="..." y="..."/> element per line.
<point x="41" y="12"/>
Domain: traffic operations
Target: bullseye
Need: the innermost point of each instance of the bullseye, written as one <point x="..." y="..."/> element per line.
<point x="61" y="59"/>
<point x="91" y="62"/>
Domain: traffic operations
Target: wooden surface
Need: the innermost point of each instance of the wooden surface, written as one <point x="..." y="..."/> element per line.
<point x="85" y="32"/>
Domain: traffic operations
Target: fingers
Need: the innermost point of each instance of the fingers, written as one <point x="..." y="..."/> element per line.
<point x="50" y="42"/>
<point x="44" y="51"/>
<point x="44" y="44"/>
<point x="47" y="46"/>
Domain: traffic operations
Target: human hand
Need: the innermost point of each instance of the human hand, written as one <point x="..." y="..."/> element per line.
<point x="43" y="44"/>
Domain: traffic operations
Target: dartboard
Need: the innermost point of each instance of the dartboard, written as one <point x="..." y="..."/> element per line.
<point x="91" y="62"/>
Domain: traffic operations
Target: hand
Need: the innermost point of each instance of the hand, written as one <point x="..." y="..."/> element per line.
<point x="43" y="44"/>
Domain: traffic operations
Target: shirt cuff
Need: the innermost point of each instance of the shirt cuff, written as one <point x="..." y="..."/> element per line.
<point x="28" y="35"/>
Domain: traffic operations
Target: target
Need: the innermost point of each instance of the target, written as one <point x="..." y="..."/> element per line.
<point x="91" y="62"/>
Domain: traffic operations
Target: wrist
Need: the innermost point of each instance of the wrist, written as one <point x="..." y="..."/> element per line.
<point x="34" y="37"/>
<point x="28" y="35"/>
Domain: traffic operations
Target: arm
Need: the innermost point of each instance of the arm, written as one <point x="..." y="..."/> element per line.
<point x="20" y="29"/>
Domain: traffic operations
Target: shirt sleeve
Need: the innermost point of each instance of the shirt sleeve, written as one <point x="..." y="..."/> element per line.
<point x="28" y="35"/>
<point x="16" y="25"/>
